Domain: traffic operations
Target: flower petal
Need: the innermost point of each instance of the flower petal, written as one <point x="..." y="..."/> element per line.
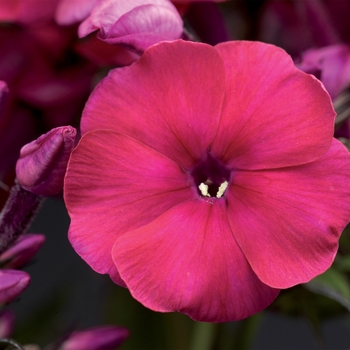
<point x="187" y="260"/>
<point x="144" y="26"/>
<point x="161" y="104"/>
<point x="96" y="338"/>
<point x="26" y="246"/>
<point x="288" y="221"/>
<point x="274" y="115"/>
<point x="115" y="184"/>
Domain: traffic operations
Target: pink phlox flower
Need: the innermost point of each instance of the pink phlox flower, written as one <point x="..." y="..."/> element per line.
<point x="135" y="24"/>
<point x="207" y="178"/>
<point x="330" y="64"/>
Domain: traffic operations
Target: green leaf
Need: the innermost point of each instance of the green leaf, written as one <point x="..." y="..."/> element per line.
<point x="333" y="284"/>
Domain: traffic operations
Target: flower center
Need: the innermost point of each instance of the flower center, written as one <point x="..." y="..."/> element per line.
<point x="211" y="177"/>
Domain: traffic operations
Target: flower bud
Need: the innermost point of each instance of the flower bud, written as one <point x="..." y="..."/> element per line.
<point x="96" y="338"/>
<point x="22" y="251"/>
<point x="12" y="283"/>
<point x="42" y="163"/>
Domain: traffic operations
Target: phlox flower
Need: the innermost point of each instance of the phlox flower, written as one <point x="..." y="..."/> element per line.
<point x="135" y="24"/>
<point x="207" y="179"/>
<point x="330" y="64"/>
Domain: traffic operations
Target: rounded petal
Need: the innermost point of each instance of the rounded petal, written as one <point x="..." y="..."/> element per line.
<point x="187" y="260"/>
<point x="274" y="115"/>
<point x="288" y="221"/>
<point x="115" y="184"/>
<point x="174" y="108"/>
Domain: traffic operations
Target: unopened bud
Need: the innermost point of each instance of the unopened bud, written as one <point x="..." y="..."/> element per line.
<point x="22" y="251"/>
<point x="97" y="338"/>
<point x="12" y="283"/>
<point x="43" y="162"/>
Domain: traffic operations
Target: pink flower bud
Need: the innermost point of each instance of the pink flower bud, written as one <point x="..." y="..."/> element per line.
<point x="12" y="283"/>
<point x="7" y="321"/>
<point x="96" y="338"/>
<point x="42" y="163"/>
<point x="22" y="251"/>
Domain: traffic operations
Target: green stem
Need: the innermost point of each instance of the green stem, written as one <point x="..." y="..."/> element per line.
<point x="245" y="331"/>
<point x="203" y="336"/>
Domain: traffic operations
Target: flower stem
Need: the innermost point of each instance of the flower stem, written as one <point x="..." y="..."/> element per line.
<point x="245" y="330"/>
<point x="17" y="215"/>
<point x="203" y="336"/>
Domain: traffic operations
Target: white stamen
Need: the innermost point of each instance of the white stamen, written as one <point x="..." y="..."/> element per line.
<point x="204" y="189"/>
<point x="222" y="189"/>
